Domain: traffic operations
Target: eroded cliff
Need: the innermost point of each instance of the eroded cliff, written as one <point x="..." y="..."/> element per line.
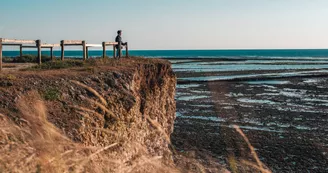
<point x="105" y="112"/>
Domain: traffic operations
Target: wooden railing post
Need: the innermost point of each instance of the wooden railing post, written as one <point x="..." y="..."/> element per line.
<point x="21" y="50"/>
<point x="38" y="44"/>
<point x="62" y="45"/>
<point x="119" y="49"/>
<point x="104" y="49"/>
<point x="87" y="52"/>
<point x="126" y="50"/>
<point x="84" y="50"/>
<point x="52" y="53"/>
<point x="0" y="54"/>
<point x="114" y="51"/>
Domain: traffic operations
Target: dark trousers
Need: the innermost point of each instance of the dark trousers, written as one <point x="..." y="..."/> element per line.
<point x="117" y="51"/>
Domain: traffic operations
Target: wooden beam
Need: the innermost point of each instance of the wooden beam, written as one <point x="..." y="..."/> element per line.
<point x="43" y="45"/>
<point x="119" y="50"/>
<point x="8" y="44"/>
<point x="29" y="46"/>
<point x="73" y="42"/>
<point x="50" y="45"/>
<point x="104" y="49"/>
<point x="4" y="40"/>
<point x="35" y="47"/>
<point x="21" y="51"/>
<point x="38" y="44"/>
<point x="62" y="44"/>
<point x="94" y="45"/>
<point x="0" y="54"/>
<point x="87" y="52"/>
<point x="111" y="43"/>
<point x="52" y="53"/>
<point x="114" y="51"/>
<point x="84" y="44"/>
<point x="126" y="50"/>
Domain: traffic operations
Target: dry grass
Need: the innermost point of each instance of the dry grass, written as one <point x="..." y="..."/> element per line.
<point x="103" y="101"/>
<point x="259" y="165"/>
<point x="159" y="129"/>
<point x="38" y="146"/>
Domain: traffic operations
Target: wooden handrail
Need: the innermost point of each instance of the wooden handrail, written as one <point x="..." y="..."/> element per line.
<point x="50" y="45"/>
<point x="111" y="43"/>
<point x="9" y="44"/>
<point x="5" y="40"/>
<point x="38" y="44"/>
<point x="68" y="42"/>
<point x="94" y="45"/>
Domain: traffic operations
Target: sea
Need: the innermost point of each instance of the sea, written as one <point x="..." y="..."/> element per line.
<point x="261" y="53"/>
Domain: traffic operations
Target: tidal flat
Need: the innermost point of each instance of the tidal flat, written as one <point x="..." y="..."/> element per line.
<point x="283" y="112"/>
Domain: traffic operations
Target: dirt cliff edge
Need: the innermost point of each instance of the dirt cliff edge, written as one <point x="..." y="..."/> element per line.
<point x="129" y="103"/>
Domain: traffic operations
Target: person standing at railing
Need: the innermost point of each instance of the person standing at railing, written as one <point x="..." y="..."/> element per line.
<point x="118" y="39"/>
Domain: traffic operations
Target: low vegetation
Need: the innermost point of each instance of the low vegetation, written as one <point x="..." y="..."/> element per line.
<point x="60" y="64"/>
<point x="94" y="62"/>
<point x="51" y="94"/>
<point x="26" y="59"/>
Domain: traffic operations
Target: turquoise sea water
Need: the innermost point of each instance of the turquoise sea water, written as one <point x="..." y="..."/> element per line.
<point x="295" y="53"/>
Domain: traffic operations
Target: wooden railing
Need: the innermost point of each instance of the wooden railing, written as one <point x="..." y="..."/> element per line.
<point x="38" y="45"/>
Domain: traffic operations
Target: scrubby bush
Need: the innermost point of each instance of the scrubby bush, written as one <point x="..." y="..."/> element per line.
<point x="51" y="94"/>
<point x="30" y="59"/>
<point x="60" y="64"/>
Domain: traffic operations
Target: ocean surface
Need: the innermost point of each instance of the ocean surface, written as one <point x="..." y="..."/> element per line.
<point x="283" y="53"/>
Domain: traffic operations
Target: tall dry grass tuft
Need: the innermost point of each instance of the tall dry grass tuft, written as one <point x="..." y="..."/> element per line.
<point x="159" y="128"/>
<point x="93" y="91"/>
<point x="259" y="165"/>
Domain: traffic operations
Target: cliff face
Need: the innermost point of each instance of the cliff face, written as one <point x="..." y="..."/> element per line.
<point x="128" y="102"/>
<point x="142" y="104"/>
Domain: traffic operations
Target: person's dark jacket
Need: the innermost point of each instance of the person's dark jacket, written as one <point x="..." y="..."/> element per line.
<point x="118" y="39"/>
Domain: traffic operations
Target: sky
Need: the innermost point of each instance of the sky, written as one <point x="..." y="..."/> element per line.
<point x="171" y="24"/>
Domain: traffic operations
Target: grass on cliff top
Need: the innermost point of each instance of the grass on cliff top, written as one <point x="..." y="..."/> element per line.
<point x="71" y="63"/>
<point x="26" y="59"/>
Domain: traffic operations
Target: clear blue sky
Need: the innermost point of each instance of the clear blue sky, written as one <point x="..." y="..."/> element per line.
<point x="171" y="24"/>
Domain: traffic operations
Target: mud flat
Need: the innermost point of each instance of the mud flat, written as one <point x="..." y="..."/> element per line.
<point x="283" y="112"/>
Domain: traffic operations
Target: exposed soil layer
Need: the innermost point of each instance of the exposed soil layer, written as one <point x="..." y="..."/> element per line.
<point x="102" y="102"/>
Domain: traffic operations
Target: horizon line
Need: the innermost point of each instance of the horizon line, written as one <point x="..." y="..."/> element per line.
<point x="188" y="49"/>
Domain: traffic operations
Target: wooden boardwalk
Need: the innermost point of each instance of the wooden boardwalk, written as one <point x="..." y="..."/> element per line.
<point x="39" y="46"/>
